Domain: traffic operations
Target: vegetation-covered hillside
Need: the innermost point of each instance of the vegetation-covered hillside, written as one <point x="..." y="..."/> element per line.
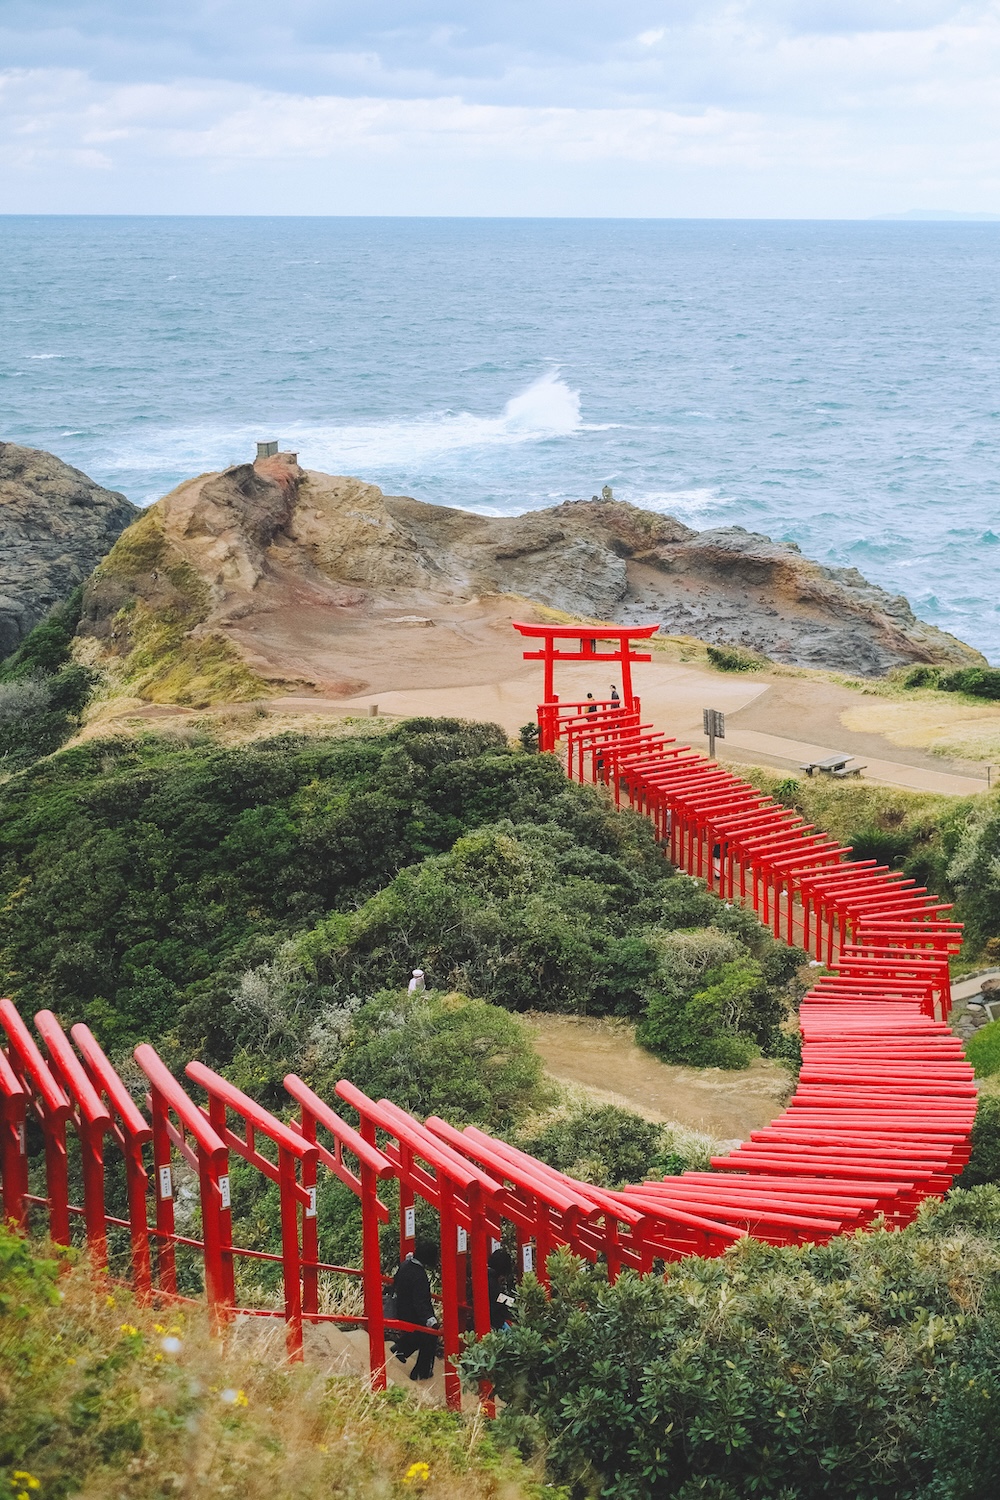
<point x="218" y="900"/>
<point x="262" y="907"/>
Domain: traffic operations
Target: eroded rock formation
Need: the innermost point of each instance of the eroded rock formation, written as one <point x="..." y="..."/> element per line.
<point x="314" y="579"/>
<point x="55" y="526"/>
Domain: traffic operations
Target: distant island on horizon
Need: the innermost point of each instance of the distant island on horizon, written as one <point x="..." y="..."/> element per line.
<point x="940" y="215"/>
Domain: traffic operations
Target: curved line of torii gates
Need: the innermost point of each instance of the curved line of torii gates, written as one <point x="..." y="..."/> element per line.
<point x="880" y="1120"/>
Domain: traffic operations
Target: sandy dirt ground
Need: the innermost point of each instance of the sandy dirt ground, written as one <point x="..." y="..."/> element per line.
<point x="345" y="1352"/>
<point x="415" y="653"/>
<point x="602" y="1057"/>
<point x="771" y="719"/>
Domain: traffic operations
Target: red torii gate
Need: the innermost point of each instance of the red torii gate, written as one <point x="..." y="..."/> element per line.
<point x="590" y="637"/>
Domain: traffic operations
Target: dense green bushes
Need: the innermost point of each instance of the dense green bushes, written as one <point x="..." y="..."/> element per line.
<point x="718" y="1026"/>
<point x="865" y="1369"/>
<point x="610" y="1146"/>
<point x="148" y="878"/>
<point x="984" y="1163"/>
<point x="978" y="682"/>
<point x="155" y="891"/>
<point x="983" y="1050"/>
<point x="526" y="917"/>
<point x="42" y="691"/>
<point x="735" y="659"/>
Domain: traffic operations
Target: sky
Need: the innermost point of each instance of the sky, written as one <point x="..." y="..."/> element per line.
<point x="636" y="108"/>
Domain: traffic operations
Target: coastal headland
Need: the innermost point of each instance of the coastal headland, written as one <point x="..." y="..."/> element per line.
<point x="309" y="595"/>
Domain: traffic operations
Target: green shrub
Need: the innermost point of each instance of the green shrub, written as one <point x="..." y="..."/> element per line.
<point x="38" y="714"/>
<point x="610" y="1146"/>
<point x="983" y="1050"/>
<point x="719" y="1026"/>
<point x="984" y="1163"/>
<point x="735" y="659"/>
<point x="920" y="676"/>
<point x="444" y="1054"/>
<point x="47" y="647"/>
<point x="42" y="692"/>
<point x="833" y="1370"/>
<point x="974" y="870"/>
<point x="978" y="682"/>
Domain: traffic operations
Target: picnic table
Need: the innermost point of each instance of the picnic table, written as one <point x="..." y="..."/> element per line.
<point x="833" y="765"/>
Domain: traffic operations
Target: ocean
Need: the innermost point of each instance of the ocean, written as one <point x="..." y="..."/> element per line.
<point x="832" y="384"/>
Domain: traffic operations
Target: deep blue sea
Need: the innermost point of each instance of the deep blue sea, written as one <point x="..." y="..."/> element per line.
<point x="835" y="384"/>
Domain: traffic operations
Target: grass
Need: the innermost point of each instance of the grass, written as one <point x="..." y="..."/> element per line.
<point x="983" y="1050"/>
<point x="891" y="822"/>
<point x="154" y="602"/>
<point x="101" y="1397"/>
<point x="951" y="725"/>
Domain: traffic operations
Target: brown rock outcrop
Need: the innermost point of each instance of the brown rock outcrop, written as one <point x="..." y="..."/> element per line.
<point x="312" y="577"/>
<point x="55" y="526"/>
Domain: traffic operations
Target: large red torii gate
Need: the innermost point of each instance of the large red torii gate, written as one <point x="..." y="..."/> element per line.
<point x="590" y="637"/>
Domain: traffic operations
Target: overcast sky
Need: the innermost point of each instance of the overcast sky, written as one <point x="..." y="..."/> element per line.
<point x="788" y="108"/>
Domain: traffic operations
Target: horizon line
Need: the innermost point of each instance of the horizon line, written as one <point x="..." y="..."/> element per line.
<point x="911" y="216"/>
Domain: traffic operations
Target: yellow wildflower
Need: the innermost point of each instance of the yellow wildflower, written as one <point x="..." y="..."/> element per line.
<point x="418" y="1473"/>
<point x="127" y="1328"/>
<point x="109" y="1301"/>
<point x="233" y="1397"/>
<point x="159" y="1328"/>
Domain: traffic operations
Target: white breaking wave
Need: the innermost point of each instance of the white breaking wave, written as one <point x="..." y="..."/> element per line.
<point x="548" y="408"/>
<point x="681" y="502"/>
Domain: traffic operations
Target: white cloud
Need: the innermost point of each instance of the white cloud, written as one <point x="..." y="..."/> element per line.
<point x="827" y="109"/>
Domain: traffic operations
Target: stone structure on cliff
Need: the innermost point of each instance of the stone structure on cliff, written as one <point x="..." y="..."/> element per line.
<point x="55" y="526"/>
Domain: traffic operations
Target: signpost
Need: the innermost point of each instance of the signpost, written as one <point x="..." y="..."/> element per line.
<point x="714" y="723"/>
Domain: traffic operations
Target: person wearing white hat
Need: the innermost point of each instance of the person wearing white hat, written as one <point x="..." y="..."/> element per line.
<point x="416" y="984"/>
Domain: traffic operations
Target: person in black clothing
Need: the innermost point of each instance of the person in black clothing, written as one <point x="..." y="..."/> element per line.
<point x="500" y="1269"/>
<point x="412" y="1287"/>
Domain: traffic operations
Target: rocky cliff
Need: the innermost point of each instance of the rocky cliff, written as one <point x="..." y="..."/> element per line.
<point x="274" y="574"/>
<point x="55" y="526"/>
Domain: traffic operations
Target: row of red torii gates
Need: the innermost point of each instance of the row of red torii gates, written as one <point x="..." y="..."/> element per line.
<point x="880" y="1119"/>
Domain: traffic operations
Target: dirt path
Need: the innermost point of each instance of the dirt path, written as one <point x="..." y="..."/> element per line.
<point x="602" y="1057"/>
<point x="473" y="670"/>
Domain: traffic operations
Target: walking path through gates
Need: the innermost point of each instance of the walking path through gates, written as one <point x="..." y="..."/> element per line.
<point x="880" y="1120"/>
